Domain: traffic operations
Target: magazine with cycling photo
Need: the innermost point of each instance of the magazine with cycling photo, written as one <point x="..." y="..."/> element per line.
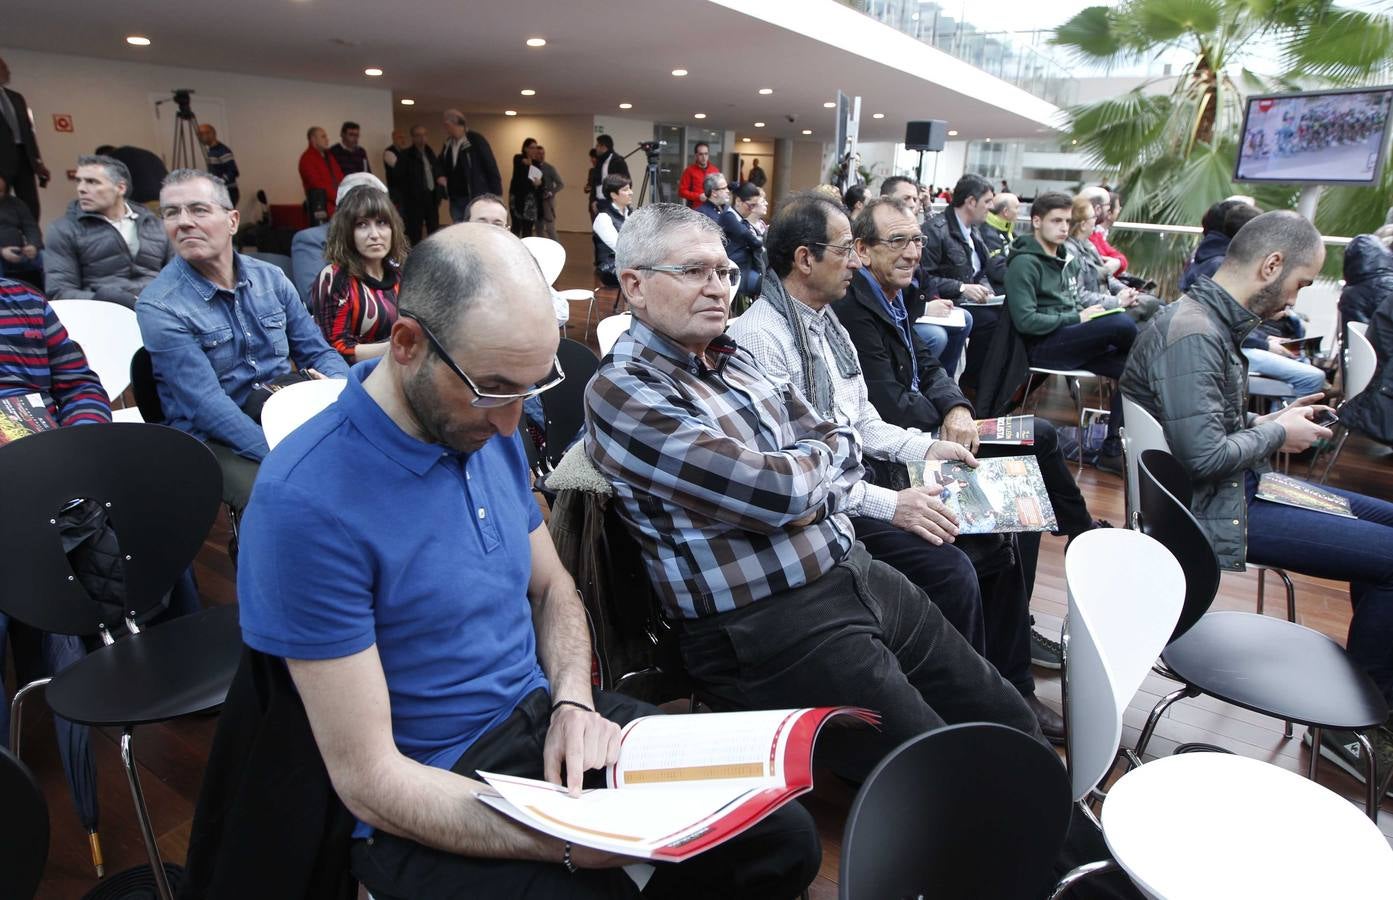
<point x="1275" y="487"/>
<point x="1002" y="494"/>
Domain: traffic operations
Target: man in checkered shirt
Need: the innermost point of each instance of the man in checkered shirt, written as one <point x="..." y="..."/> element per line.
<point x="740" y="495"/>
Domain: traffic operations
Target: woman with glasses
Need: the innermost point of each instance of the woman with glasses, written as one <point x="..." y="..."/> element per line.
<point x="613" y="211"/>
<point x="354" y="299"/>
<point x="1091" y="273"/>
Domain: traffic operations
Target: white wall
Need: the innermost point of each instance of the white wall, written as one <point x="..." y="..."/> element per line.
<point x="264" y="119"/>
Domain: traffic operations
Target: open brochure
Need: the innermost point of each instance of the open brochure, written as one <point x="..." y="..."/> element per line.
<point x="1005" y="493"/>
<point x="682" y="784"/>
<point x="954" y="319"/>
<point x="21" y="416"/>
<point x="993" y="300"/>
<point x="1278" y="488"/>
<point x="1012" y="430"/>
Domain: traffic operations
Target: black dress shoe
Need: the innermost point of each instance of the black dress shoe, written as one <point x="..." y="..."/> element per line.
<point x="1051" y="722"/>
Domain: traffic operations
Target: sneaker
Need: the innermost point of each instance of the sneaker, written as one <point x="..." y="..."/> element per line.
<point x="1045" y="653"/>
<point x="1344" y="750"/>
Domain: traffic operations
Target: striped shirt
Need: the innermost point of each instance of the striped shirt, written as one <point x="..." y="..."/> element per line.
<point x="222" y="164"/>
<point x="36" y="355"/>
<point x="712" y="469"/>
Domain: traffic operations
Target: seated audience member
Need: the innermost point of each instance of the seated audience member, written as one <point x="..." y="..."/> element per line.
<point x="1371" y="411"/>
<point x="381" y="617"/>
<point x="854" y="199"/>
<point x="219" y="326"/>
<point x="488" y="209"/>
<point x="524" y="189"/>
<point x="794" y="335"/>
<point x="146" y="168"/>
<point x="956" y="264"/>
<point x="37" y="356"/>
<point x="348" y="152"/>
<point x="716" y="194"/>
<point x="354" y="299"/>
<point x="103" y="248"/>
<point x="1092" y="283"/>
<point x="738" y="494"/>
<point x="320" y="174"/>
<point x="1368" y="271"/>
<point x="613" y="213"/>
<point x="1057" y="334"/>
<point x="998" y="233"/>
<point x="20" y="240"/>
<point x="1187" y="371"/>
<point x="307" y="246"/>
<point x="744" y="245"/>
<point x="1108" y="206"/>
<point x="1214" y="239"/>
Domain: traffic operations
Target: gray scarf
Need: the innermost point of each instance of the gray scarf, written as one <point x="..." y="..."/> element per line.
<point x="817" y="381"/>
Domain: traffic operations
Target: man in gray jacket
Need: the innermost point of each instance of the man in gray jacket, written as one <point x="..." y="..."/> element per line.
<point x="104" y="248"/>
<point x="1188" y="371"/>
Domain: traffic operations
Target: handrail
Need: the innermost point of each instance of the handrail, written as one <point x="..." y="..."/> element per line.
<point x="1148" y="227"/>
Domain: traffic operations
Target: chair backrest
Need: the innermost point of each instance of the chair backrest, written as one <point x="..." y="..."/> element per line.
<point x="1166" y="493"/>
<point x="23" y="829"/>
<point x="147" y="394"/>
<point x="550" y="256"/>
<point x="1362" y="361"/>
<point x="609" y="330"/>
<point x="1118" y="624"/>
<point x="941" y="813"/>
<point x="160" y="488"/>
<point x="279" y="260"/>
<point x="1143" y="433"/>
<point x="564" y="404"/>
<point x="1361" y="327"/>
<point x="108" y="334"/>
<point x="292" y="406"/>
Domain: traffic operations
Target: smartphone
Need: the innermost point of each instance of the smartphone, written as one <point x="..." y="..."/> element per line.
<point x="1325" y="418"/>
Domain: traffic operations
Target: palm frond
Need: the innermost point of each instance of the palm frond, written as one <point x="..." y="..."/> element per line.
<point x="1113" y="130"/>
<point x="1344" y="46"/>
<point x="1162" y="21"/>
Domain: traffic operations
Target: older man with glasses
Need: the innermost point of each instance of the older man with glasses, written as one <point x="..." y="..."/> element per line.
<point x="428" y="625"/>
<point x="222" y="330"/>
<point x="739" y="495"/>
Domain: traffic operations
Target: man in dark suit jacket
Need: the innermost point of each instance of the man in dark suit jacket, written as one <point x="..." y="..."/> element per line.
<point x="467" y="164"/>
<point x="20" y="162"/>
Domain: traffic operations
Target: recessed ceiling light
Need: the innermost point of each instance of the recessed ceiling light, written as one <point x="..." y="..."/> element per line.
<point x="698" y="115"/>
<point x="989" y="140"/>
<point x="527" y="92"/>
<point x="878" y="115"/>
<point x="766" y="90"/>
<point x="807" y="131"/>
<point x="759" y="124"/>
<point x="679" y="72"/>
<point x="138" y="40"/>
<point x="407" y="101"/>
<point x="372" y="72"/>
<point x="626" y="106"/>
<point x="510" y="112"/>
<point x="830" y="104"/>
<point x="536" y="42"/>
<point x="746" y="140"/>
<point x="952" y="134"/>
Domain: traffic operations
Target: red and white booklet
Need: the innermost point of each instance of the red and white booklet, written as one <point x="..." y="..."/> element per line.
<point x="683" y="783"/>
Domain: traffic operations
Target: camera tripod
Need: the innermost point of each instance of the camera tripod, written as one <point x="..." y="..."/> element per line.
<point x="651" y="189"/>
<point x="188" y="151"/>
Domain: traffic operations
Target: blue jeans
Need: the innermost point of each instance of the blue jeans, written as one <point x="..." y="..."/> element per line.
<point x="1359" y="551"/>
<point x="945" y="343"/>
<point x="1303" y="377"/>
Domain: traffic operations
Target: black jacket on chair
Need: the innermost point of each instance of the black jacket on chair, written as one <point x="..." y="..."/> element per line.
<point x="1368" y="275"/>
<point x="1372" y="411"/>
<point x="886" y="364"/>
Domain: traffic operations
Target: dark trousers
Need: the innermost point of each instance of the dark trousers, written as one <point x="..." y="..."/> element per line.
<point x="1099" y="346"/>
<point x="22" y="181"/>
<point x="984" y="321"/>
<point x="420" y="214"/>
<point x="861" y="635"/>
<point x="1359" y="551"/>
<point x="775" y="859"/>
<point x="238" y="475"/>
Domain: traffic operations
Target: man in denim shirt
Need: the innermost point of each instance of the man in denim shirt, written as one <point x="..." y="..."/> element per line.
<point x="217" y="324"/>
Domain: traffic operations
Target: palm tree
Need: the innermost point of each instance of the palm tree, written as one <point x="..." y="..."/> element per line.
<point x="1174" y="152"/>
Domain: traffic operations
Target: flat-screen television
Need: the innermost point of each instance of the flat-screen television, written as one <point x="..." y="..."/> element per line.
<point x="1320" y="137"/>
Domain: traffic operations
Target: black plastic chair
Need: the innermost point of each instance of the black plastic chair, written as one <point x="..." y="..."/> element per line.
<point x="968" y="811"/>
<point x="1268" y="665"/>
<point x="147" y="396"/>
<point x="161" y="489"/>
<point x="564" y="404"/>
<point x="23" y="830"/>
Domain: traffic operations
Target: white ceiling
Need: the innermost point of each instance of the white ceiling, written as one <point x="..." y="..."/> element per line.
<point x="472" y="55"/>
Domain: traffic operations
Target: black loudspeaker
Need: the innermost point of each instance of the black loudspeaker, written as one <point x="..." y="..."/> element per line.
<point x="929" y="136"/>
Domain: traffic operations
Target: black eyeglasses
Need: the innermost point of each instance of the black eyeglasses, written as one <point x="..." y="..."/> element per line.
<point x="483" y="399"/>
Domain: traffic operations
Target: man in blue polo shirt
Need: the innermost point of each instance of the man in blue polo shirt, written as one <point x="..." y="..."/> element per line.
<point x="393" y="555"/>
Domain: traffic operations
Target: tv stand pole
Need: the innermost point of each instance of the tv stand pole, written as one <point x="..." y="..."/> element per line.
<point x="1306" y="205"/>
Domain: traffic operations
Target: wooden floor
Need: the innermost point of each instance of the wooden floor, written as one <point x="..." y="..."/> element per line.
<point x="171" y="756"/>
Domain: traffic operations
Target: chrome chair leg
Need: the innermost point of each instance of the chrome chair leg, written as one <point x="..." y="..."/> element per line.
<point x="1315" y="754"/>
<point x="1370" y="775"/>
<point x="1155" y="717"/>
<point x="142" y="814"/>
<point x="1262" y="587"/>
<point x="1334" y="457"/>
<point x="17" y="708"/>
<point x="1079" y="873"/>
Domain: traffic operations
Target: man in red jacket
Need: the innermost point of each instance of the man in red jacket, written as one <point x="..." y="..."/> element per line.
<point x="320" y="171"/>
<point x="689" y="188"/>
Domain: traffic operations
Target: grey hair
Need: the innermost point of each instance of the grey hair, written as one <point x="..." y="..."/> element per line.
<point x="648" y="235"/>
<point x="1002" y="201"/>
<point x="1283" y="230"/>
<point x="708" y="184"/>
<point x="115" y="169"/>
<point x="184" y="176"/>
<point x="455" y="117"/>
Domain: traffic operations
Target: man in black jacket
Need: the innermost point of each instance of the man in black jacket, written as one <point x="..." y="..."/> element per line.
<point x="957" y="265"/>
<point x="420" y="167"/>
<point x="467" y="166"/>
<point x="20" y="162"/>
<point x="607" y="163"/>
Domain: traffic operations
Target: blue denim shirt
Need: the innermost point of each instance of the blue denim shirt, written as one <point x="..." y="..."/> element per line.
<point x="210" y="346"/>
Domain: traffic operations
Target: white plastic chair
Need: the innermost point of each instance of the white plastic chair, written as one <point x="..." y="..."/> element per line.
<point x="290" y="407"/>
<point x="1361" y="327"/>
<point x="609" y="330"/>
<point x="109" y="336"/>
<point x="1361" y="361"/>
<point x="1074" y="377"/>
<point x="550" y="256"/>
